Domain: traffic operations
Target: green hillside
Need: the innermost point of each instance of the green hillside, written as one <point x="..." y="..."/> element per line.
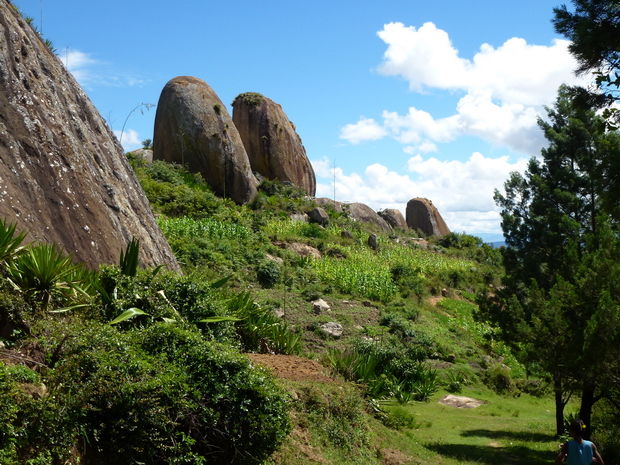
<point x="144" y="366"/>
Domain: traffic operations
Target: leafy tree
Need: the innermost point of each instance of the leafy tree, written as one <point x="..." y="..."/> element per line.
<point x="594" y="30"/>
<point x="556" y="306"/>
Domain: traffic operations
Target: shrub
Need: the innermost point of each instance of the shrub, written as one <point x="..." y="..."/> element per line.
<point x="162" y="394"/>
<point x="399" y="418"/>
<point x="268" y="273"/>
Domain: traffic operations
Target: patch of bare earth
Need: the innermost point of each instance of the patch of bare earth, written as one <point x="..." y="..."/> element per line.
<point x="292" y="367"/>
<point x="394" y="457"/>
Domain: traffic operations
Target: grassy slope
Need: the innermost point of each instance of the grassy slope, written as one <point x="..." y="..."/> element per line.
<point x="334" y="424"/>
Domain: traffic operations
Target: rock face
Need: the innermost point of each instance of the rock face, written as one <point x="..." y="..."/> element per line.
<point x="423" y="215"/>
<point x="271" y="141"/>
<point x="63" y="175"/>
<point x="193" y="128"/>
<point x="362" y="212"/>
<point x="357" y="211"/>
<point x="394" y="218"/>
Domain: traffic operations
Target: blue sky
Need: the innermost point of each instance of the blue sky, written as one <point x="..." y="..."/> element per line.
<point x="392" y="99"/>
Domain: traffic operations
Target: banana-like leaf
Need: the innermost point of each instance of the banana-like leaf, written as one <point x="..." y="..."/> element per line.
<point x="68" y="309"/>
<point x="130" y="313"/>
<point x="221" y="282"/>
<point x="217" y="319"/>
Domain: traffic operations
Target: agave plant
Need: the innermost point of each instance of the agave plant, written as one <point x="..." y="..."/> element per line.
<point x="10" y="244"/>
<point x="48" y="276"/>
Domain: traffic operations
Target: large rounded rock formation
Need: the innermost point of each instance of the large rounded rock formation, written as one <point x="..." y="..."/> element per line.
<point x="394" y="218"/>
<point x="63" y="175"/>
<point x="271" y="141"/>
<point x="194" y="129"/>
<point x="356" y="211"/>
<point x="423" y="215"/>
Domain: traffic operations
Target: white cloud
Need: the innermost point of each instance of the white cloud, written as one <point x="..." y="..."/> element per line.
<point x="130" y="139"/>
<point x="505" y="89"/>
<point x="462" y="191"/>
<point x="90" y="72"/>
<point x="365" y="129"/>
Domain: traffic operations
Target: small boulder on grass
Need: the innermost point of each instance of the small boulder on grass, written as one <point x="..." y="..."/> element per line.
<point x="332" y="329"/>
<point x="320" y="306"/>
<point x="319" y="216"/>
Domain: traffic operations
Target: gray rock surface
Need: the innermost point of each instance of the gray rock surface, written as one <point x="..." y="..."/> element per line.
<point x="320" y="306"/>
<point x="423" y="215"/>
<point x="362" y="212"/>
<point x="394" y="218"/>
<point x="356" y="211"/>
<point x="271" y="141"/>
<point x="373" y="241"/>
<point x="193" y="128"/>
<point x="332" y="329"/>
<point x="318" y="215"/>
<point x="63" y="175"/>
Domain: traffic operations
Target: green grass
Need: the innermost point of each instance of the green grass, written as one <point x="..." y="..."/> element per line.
<point x="504" y="430"/>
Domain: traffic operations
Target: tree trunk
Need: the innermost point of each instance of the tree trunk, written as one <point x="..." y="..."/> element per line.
<point x="559" y="406"/>
<point x="585" y="411"/>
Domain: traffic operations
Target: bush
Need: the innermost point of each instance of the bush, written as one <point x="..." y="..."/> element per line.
<point x="399" y="418"/>
<point x="157" y="395"/>
<point x="268" y="273"/>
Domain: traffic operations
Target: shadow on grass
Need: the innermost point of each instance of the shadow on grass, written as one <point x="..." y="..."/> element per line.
<point x="493" y="455"/>
<point x="510" y="435"/>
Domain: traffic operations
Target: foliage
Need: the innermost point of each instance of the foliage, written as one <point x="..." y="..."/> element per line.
<point x="46" y="276"/>
<point x="338" y="415"/>
<point x="10" y="244"/>
<point x="268" y="273"/>
<point x="162" y="394"/>
<point x="554" y="306"/>
<point x="175" y="192"/>
<point x="260" y="330"/>
<point x="592" y="29"/>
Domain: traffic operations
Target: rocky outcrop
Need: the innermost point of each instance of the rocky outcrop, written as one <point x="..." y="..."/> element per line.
<point x="193" y="128"/>
<point x="423" y="215"/>
<point x="63" y="175"/>
<point x="271" y="141"/>
<point x="356" y="211"/>
<point x="329" y="204"/>
<point x="362" y="212"/>
<point x="394" y="218"/>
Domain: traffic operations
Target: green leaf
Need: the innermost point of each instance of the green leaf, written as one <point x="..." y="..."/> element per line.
<point x="217" y="319"/>
<point x="221" y="282"/>
<point x="130" y="258"/>
<point x="127" y="314"/>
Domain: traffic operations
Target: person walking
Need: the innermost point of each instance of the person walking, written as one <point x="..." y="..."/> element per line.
<point x="578" y="451"/>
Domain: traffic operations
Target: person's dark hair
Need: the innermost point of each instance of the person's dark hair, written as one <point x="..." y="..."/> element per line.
<point x="578" y="426"/>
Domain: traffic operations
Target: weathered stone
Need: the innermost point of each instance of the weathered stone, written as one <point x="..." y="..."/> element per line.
<point x="304" y="250"/>
<point x="423" y="215"/>
<point x="271" y="141"/>
<point x="320" y="306"/>
<point x="373" y="241"/>
<point x="63" y="175"/>
<point x="318" y="215"/>
<point x="362" y="212"/>
<point x="346" y="234"/>
<point x="355" y="211"/>
<point x="394" y="218"/>
<point x="299" y="217"/>
<point x="277" y="260"/>
<point x="144" y="154"/>
<point x="332" y="329"/>
<point x="193" y="128"/>
<point x="330" y="204"/>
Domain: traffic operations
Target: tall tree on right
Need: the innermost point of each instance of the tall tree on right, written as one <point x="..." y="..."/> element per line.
<point x="594" y="31"/>
<point x="557" y="306"/>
